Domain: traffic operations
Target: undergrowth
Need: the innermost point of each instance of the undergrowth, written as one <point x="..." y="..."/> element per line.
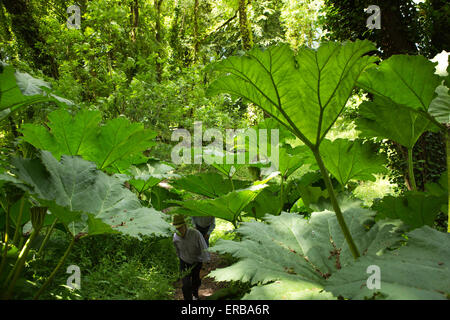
<point x="114" y="267"/>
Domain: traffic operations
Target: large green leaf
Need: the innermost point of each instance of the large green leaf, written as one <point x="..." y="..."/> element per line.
<point x="347" y="160"/>
<point x="290" y="159"/>
<point x="288" y="290"/>
<point x="267" y="202"/>
<point x="291" y="249"/>
<point x="405" y="80"/>
<point x="118" y="139"/>
<point x="386" y="120"/>
<point x="149" y="175"/>
<point x="86" y="199"/>
<point x="18" y="89"/>
<point x="227" y="207"/>
<point x="69" y="135"/>
<point x="418" y="270"/>
<point x="440" y="106"/>
<point x="306" y="93"/>
<point x="414" y="208"/>
<point x="116" y="142"/>
<point x="226" y="162"/>
<point x="439" y="189"/>
<point x="271" y="124"/>
<point x="211" y="185"/>
<point x="160" y="197"/>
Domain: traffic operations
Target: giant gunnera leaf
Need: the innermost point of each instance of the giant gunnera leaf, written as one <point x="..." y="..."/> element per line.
<point x="405" y="80"/>
<point x="416" y="209"/>
<point x="386" y="120"/>
<point x="418" y="270"/>
<point x="227" y="207"/>
<point x="85" y="199"/>
<point x="149" y="175"/>
<point x="291" y="257"/>
<point x="347" y="160"/>
<point x="440" y="106"/>
<point x="304" y="92"/>
<point x="18" y="89"/>
<point x="211" y="185"/>
<point x="112" y="146"/>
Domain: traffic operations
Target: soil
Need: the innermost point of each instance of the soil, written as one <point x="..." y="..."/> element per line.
<point x="208" y="286"/>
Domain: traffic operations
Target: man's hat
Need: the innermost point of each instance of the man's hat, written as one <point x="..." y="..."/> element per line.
<point x="178" y="220"/>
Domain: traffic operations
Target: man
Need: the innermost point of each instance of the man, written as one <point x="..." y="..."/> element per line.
<point x="192" y="251"/>
<point x="205" y="225"/>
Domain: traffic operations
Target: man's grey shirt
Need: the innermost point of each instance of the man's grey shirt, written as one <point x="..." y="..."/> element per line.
<point x="192" y="248"/>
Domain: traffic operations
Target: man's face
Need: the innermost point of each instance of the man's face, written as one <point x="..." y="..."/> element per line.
<point x="181" y="230"/>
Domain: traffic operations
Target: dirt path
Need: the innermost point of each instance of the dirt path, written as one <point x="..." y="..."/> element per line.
<point x="209" y="286"/>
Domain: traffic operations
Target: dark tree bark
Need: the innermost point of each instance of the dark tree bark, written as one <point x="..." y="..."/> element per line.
<point x="393" y="31"/>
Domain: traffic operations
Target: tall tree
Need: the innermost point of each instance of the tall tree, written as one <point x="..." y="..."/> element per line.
<point x="157" y="5"/>
<point x="346" y="20"/>
<point x="245" y="25"/>
<point x="134" y="19"/>
<point x="196" y="36"/>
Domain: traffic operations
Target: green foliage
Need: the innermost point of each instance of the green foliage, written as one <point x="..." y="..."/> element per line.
<point x="405" y="80"/>
<point x="227" y="207"/>
<point x="416" y="209"/>
<point x="211" y="185"/>
<point x="149" y="175"/>
<point x="145" y="63"/>
<point x="287" y="289"/>
<point x="115" y="267"/>
<point x="440" y="106"/>
<point x="266" y="202"/>
<point x="290" y="159"/>
<point x="18" y="90"/>
<point x="20" y="210"/>
<point x="305" y="93"/>
<point x="418" y="270"/>
<point x="86" y="200"/>
<point x="294" y="258"/>
<point x="401" y="33"/>
<point x="377" y="120"/>
<point x="112" y="146"/>
<point x="347" y="160"/>
<point x="160" y="197"/>
<point x="292" y="249"/>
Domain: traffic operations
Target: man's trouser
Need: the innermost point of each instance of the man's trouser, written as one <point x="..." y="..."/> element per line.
<point x="203" y="231"/>
<point x="191" y="282"/>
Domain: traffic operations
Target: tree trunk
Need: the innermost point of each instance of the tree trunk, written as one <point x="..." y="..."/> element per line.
<point x="245" y="26"/>
<point x="393" y="30"/>
<point x="158" y="65"/>
<point x="196" y="40"/>
<point x="134" y="19"/>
